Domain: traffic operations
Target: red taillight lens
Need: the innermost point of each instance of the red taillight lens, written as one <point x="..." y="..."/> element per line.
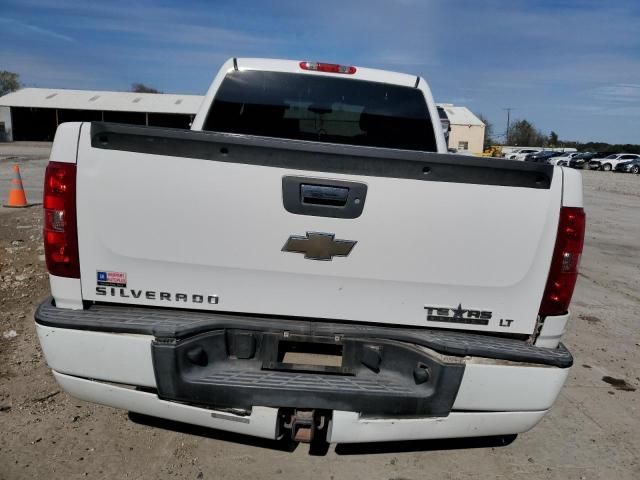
<point x="60" y="228"/>
<point x="327" y="67"/>
<point x="564" y="264"/>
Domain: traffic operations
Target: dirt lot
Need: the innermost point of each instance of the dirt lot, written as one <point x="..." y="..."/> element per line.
<point x="592" y="432"/>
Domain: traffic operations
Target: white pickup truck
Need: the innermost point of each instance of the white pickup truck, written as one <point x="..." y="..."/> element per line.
<point x="308" y="260"/>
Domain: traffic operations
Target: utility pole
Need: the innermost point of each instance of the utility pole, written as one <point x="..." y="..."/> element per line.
<point x="508" y="109"/>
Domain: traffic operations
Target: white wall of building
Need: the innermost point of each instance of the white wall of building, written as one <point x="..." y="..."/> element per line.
<point x="5" y="117"/>
<point x="467" y="130"/>
<point x="468" y="138"/>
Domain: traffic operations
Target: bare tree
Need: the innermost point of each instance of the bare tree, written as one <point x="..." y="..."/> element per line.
<point x="9" y="82"/>
<point x="142" y="88"/>
<point x="488" y="130"/>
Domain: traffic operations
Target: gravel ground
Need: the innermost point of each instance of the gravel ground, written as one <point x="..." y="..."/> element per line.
<point x="593" y="432"/>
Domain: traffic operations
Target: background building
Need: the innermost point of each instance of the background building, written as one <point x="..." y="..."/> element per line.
<point x="35" y="113"/>
<point x="5" y="124"/>
<point x="466" y="130"/>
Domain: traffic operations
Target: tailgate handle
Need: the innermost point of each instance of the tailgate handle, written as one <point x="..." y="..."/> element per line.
<point x="324" y="195"/>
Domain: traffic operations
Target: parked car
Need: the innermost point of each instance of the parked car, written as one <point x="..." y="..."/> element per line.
<point x="524" y="152"/>
<point x="256" y="309"/>
<point x="597" y="157"/>
<point x="521" y="153"/>
<point x="610" y="162"/>
<point x="632" y="166"/>
<point x="562" y="159"/>
<point x="579" y="160"/>
<point x="512" y="154"/>
<point x="541" y="157"/>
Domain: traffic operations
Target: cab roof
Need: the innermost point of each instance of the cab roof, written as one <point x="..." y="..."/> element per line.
<point x="293" y="66"/>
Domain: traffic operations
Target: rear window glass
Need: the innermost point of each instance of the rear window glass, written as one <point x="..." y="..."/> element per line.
<point x="320" y="108"/>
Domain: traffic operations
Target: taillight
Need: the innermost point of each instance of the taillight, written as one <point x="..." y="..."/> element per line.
<point x="327" y="67"/>
<point x="60" y="228"/>
<point x="564" y="264"/>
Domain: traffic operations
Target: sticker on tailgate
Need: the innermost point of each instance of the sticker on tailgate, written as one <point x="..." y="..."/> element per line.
<point x="111" y="279"/>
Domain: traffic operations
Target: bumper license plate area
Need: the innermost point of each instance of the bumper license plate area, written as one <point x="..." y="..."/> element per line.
<point x="240" y="369"/>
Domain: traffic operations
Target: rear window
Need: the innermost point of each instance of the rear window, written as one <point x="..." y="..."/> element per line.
<point x="320" y="108"/>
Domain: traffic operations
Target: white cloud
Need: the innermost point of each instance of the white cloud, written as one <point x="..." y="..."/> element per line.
<point x="621" y="92"/>
<point x="22" y="26"/>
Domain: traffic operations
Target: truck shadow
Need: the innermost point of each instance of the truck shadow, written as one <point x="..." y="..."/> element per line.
<point x="287" y="445"/>
<point x="423" y="445"/>
<point x="284" y="445"/>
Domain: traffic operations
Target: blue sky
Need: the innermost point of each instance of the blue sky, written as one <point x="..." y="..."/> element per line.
<point x="572" y="66"/>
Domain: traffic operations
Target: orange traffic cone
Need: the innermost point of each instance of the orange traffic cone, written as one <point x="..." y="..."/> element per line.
<point x="17" y="198"/>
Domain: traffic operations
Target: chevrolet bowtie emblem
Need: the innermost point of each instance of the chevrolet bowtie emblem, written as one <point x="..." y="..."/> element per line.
<point x="319" y="246"/>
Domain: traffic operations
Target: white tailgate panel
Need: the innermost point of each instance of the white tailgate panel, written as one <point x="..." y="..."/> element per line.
<point x="191" y="226"/>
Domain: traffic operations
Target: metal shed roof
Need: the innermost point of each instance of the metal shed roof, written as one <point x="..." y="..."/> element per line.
<point x="461" y="115"/>
<point x="108" y="101"/>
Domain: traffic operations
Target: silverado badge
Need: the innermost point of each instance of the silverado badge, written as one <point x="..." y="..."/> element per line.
<point x="319" y="246"/>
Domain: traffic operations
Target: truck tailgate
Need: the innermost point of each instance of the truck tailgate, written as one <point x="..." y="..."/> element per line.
<point x="197" y="220"/>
